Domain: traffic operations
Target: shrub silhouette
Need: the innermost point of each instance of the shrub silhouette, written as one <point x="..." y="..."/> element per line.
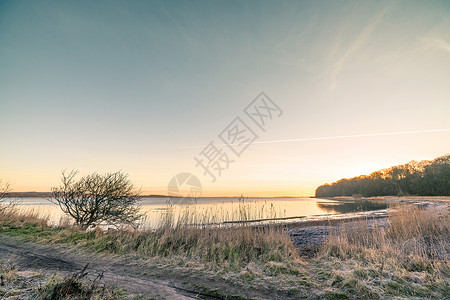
<point x="96" y="199"/>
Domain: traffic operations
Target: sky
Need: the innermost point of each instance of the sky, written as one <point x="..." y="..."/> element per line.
<point x="145" y="86"/>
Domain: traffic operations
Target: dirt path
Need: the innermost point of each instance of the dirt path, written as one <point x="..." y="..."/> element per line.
<point x="128" y="273"/>
<point x="54" y="259"/>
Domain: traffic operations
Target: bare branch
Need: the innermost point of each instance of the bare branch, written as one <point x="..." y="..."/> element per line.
<point x="95" y="199"/>
<point x="4" y="193"/>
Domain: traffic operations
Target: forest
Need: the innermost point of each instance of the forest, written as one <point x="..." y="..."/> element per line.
<point x="424" y="178"/>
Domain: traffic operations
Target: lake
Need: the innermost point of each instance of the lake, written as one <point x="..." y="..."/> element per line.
<point x="226" y="210"/>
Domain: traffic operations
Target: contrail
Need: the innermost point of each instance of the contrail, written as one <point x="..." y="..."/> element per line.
<point x="333" y="137"/>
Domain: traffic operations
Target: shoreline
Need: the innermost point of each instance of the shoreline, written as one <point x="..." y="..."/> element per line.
<point x="400" y="199"/>
<point x="309" y="236"/>
<point x="333" y="219"/>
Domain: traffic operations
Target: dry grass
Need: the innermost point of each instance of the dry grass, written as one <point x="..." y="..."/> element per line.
<point x="240" y="253"/>
<point x="410" y="232"/>
<point x="14" y="216"/>
<point x="229" y="248"/>
<point x="15" y="284"/>
<point x="408" y="222"/>
<point x="405" y="257"/>
<point x="216" y="214"/>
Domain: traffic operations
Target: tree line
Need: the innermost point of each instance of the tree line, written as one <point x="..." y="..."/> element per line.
<point x="424" y="178"/>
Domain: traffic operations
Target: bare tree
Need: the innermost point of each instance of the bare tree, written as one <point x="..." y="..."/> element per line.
<point x="96" y="199"/>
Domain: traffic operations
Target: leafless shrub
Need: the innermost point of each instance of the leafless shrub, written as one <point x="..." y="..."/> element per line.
<point x="95" y="199"/>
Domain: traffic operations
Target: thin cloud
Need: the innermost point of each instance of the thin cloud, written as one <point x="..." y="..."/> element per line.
<point x="437" y="43"/>
<point x="335" y="137"/>
<point x="354" y="47"/>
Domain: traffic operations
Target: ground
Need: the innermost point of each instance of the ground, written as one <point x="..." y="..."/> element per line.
<point x="149" y="278"/>
<point x="56" y="259"/>
<point x="146" y="278"/>
<point x="157" y="278"/>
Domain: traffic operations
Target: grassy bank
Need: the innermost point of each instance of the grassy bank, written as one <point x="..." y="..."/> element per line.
<point x="15" y="284"/>
<point x="408" y="258"/>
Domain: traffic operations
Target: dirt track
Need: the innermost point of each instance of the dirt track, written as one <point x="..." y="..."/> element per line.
<point x="127" y="273"/>
<point x="54" y="259"/>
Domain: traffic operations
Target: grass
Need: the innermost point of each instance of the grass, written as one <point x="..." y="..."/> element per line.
<point x="408" y="257"/>
<point x="77" y="286"/>
<point x="15" y="284"/>
<point x="229" y="248"/>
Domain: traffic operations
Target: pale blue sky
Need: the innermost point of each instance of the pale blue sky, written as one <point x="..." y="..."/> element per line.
<point x="107" y="85"/>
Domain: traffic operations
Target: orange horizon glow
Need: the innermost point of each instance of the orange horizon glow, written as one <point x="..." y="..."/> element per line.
<point x="274" y="188"/>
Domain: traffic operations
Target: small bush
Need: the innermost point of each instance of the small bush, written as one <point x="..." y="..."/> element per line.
<point x="75" y="286"/>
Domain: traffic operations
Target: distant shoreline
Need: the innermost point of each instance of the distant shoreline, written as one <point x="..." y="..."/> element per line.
<point x="392" y="198"/>
<point x="340" y="198"/>
<point x="49" y="194"/>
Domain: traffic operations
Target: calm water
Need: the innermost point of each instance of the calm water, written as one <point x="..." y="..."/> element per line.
<point x="228" y="210"/>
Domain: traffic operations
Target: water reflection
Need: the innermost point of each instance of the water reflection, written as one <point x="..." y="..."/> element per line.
<point x="343" y="207"/>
